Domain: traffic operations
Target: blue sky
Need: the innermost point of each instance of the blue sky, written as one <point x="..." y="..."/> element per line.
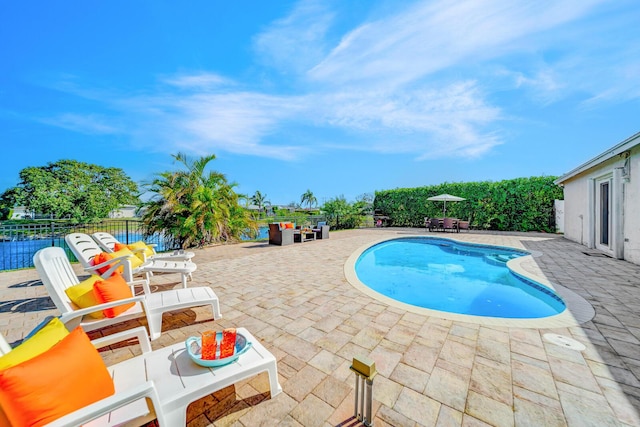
<point x="339" y="97"/>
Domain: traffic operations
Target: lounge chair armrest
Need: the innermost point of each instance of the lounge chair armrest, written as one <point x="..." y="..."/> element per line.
<point x="117" y="260"/>
<point x="113" y="263"/>
<point x="140" y="333"/>
<point x="108" y="404"/>
<point x="82" y="311"/>
<point x="140" y="282"/>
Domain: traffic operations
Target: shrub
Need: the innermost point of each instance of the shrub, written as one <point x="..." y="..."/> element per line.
<point x="521" y="204"/>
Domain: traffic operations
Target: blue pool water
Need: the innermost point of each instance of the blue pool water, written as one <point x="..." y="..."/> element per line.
<point x="444" y="275"/>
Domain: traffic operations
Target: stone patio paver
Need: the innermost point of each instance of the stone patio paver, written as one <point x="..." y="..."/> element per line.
<point x="432" y="371"/>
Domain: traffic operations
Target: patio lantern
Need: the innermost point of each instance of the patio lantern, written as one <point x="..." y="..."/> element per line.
<point x="365" y="370"/>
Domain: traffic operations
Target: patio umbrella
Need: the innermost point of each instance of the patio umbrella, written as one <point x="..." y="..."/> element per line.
<point x="446" y="198"/>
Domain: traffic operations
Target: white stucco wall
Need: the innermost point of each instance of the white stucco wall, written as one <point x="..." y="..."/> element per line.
<point x="558" y="207"/>
<point x="576" y="206"/>
<point x="632" y="210"/>
<point x="579" y="222"/>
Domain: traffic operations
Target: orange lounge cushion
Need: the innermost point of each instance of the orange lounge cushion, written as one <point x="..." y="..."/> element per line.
<point x="4" y="421"/>
<point x="67" y="377"/>
<point x="82" y="295"/>
<point x="113" y="289"/>
<point x="119" y="246"/>
<point x="104" y="257"/>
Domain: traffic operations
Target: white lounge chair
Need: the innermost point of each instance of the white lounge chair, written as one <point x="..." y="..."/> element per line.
<point x="56" y="274"/>
<point x="85" y="248"/>
<point x="168" y="378"/>
<point x="107" y="242"/>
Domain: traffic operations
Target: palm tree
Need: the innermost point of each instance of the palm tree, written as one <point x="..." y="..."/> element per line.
<point x="196" y="208"/>
<point x="260" y="200"/>
<point x="309" y="199"/>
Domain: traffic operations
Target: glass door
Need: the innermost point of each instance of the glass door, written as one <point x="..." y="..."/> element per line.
<point x="603" y="215"/>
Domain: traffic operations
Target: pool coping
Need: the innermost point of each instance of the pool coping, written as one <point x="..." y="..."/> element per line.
<point x="578" y="310"/>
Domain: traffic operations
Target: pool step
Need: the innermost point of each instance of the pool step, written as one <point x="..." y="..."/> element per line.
<point x="498" y="259"/>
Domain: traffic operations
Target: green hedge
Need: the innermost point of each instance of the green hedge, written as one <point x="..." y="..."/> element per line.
<point x="521" y="204"/>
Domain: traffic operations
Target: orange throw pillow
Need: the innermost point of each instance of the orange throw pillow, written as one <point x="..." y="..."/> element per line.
<point x="118" y="246"/>
<point x="65" y="378"/>
<point x="290" y="225"/>
<point x="104" y="257"/>
<point x="113" y="289"/>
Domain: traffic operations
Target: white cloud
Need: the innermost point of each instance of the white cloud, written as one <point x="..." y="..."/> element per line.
<point x="203" y="122"/>
<point x="414" y="110"/>
<point x="421" y="81"/>
<point x="296" y="42"/>
<point x="88" y="124"/>
<point x="198" y="81"/>
<point x="431" y="36"/>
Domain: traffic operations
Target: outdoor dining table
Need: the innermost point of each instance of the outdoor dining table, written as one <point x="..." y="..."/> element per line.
<point x="441" y="224"/>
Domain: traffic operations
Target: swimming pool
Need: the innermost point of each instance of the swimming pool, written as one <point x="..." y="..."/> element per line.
<point x="455" y="277"/>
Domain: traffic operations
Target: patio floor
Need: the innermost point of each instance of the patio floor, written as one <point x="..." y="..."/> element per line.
<point x="432" y="371"/>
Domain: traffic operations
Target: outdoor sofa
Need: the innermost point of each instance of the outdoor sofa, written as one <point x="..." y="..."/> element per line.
<point x="280" y="234"/>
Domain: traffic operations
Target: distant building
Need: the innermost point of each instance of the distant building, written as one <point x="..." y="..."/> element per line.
<point x="20" y="212"/>
<point x="602" y="201"/>
<point x="126" y="211"/>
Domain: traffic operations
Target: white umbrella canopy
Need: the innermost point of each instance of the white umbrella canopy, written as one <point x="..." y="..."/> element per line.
<point x="445" y="198"/>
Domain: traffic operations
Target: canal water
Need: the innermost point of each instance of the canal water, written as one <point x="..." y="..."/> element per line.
<point x="19" y="254"/>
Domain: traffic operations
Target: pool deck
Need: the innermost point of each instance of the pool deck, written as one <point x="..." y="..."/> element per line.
<point x="433" y="370"/>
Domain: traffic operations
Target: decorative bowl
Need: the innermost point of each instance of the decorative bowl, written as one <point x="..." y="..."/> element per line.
<point x="194" y="347"/>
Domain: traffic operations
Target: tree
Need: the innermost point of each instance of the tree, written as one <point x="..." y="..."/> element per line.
<point x="196" y="208"/>
<point x="309" y="199"/>
<point x="72" y="189"/>
<point x="341" y="214"/>
<point x="365" y="202"/>
<point x="260" y="200"/>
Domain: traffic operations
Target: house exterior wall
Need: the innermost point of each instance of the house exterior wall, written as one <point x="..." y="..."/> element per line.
<point x="632" y="209"/>
<point x="558" y="208"/>
<point x="579" y="206"/>
<point x="576" y="208"/>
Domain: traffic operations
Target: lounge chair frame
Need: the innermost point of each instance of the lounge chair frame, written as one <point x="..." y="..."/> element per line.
<point x="107" y="242"/>
<point x="56" y="274"/>
<point x="168" y="378"/>
<point x="85" y="248"/>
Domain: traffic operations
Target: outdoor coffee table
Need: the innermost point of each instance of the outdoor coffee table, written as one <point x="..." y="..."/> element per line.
<point x="304" y="235"/>
<point x="180" y="381"/>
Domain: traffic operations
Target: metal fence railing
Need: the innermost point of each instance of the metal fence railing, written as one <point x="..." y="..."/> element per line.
<point x="19" y="242"/>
